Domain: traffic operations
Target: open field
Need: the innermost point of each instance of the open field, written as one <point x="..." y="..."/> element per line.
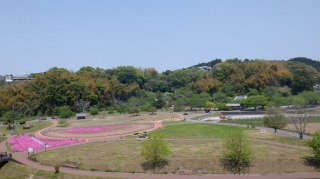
<point x="310" y="128"/>
<point x="193" y="146"/>
<point x="125" y="156"/>
<point x="195" y="131"/>
<point x="13" y="171"/>
<point x="256" y="122"/>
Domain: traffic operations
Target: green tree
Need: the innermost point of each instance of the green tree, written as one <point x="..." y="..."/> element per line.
<point x="254" y="101"/>
<point x="153" y="110"/>
<point x="122" y="109"/>
<point x="135" y="111"/>
<point x="311" y="97"/>
<point x="94" y="111"/>
<point x="155" y="150"/>
<point x="64" y="112"/>
<point x="237" y="153"/>
<point x="314" y="144"/>
<point x="275" y="118"/>
<point x="210" y="105"/>
<point x="10" y="117"/>
<point x="129" y="74"/>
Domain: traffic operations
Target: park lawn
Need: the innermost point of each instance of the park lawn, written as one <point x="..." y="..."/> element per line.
<point x="13" y="171"/>
<point x="195" y="131"/>
<point x="275" y="137"/>
<point x="19" y="128"/>
<point x="256" y="122"/>
<point x="124" y="156"/>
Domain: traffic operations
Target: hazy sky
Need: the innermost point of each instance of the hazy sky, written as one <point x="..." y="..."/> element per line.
<point x="36" y="35"/>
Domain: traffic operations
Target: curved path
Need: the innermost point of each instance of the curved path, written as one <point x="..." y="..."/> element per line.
<point x="21" y="157"/>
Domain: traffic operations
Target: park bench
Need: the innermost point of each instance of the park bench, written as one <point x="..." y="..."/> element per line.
<point x="27" y="126"/>
<point x="69" y="164"/>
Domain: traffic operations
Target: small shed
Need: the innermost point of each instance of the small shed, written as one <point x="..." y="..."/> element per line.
<point x="81" y="115"/>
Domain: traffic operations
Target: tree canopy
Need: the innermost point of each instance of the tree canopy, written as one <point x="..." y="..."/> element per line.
<point x="121" y="88"/>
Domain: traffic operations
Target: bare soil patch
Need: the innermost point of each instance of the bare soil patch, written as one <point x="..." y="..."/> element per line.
<point x="310" y="128"/>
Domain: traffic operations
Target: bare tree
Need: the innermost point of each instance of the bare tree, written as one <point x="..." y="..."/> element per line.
<point x="298" y="117"/>
<point x="81" y="105"/>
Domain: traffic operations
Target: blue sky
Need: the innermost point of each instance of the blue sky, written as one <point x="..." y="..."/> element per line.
<point x="36" y="35"/>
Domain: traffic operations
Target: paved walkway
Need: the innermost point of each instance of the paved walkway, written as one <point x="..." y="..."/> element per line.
<point x="21" y="157"/>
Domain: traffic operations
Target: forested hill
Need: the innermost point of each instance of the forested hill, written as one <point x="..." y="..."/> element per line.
<point x="126" y="87"/>
<point x="314" y="63"/>
<point x="209" y="64"/>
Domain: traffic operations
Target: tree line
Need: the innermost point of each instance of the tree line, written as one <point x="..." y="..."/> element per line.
<point x="122" y="88"/>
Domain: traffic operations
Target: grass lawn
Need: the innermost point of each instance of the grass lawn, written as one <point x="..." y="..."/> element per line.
<point x="19" y="128"/>
<point x="256" y="122"/>
<point x="204" y="154"/>
<point x="125" y="156"/>
<point x="13" y="171"/>
<point x="195" y="131"/>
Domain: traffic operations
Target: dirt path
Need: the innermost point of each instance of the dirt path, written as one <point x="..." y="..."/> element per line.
<point x="38" y="133"/>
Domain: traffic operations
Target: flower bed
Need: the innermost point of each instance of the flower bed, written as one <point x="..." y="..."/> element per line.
<point x="98" y="131"/>
<point x="23" y="142"/>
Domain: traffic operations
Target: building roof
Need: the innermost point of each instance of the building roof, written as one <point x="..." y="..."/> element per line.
<point x="240" y="97"/>
<point x="233" y="104"/>
<point x="81" y="114"/>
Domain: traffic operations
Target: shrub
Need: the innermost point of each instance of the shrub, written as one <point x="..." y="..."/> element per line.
<point x="56" y="168"/>
<point x="236" y="153"/>
<point x="94" y="111"/>
<point x="63" y="123"/>
<point x="314" y="143"/>
<point x="111" y="112"/>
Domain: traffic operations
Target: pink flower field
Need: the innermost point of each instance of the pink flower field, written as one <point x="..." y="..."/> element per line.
<point x="97" y="131"/>
<point x="23" y="142"/>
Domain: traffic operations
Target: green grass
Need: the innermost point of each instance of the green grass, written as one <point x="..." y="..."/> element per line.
<point x="286" y="140"/>
<point x="13" y="171"/>
<point x="3" y="138"/>
<point x="19" y="128"/>
<point x="256" y="122"/>
<point x="169" y="123"/>
<point x="195" y="131"/>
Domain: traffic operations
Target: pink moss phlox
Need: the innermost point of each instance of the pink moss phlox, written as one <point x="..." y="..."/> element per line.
<point x="23" y="142"/>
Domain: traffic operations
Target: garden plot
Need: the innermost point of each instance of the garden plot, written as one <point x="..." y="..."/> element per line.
<point x="21" y="143"/>
<point x="98" y="131"/>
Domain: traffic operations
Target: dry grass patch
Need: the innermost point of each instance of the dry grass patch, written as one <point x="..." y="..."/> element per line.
<point x="125" y="156"/>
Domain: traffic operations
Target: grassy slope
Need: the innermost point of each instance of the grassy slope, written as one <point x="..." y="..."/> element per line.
<point x="256" y="122"/>
<point x="125" y="155"/>
<point x="19" y="128"/>
<point x="13" y="171"/>
<point x="195" y="131"/>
